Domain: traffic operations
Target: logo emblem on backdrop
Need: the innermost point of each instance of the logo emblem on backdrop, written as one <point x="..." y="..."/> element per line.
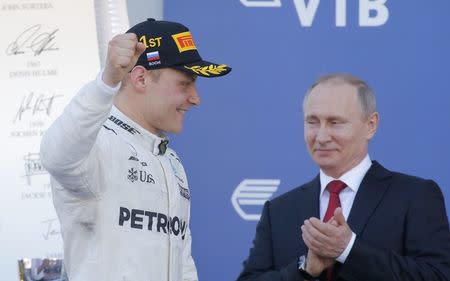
<point x="261" y="3"/>
<point x="371" y="12"/>
<point x="249" y="196"/>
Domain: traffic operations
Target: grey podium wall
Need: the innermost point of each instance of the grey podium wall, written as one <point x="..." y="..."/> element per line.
<point x="139" y="10"/>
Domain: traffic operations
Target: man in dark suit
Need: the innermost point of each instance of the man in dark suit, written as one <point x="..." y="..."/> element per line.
<point x="356" y="221"/>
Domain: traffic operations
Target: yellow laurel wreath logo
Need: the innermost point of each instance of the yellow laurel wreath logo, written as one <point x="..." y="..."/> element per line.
<point x="209" y="69"/>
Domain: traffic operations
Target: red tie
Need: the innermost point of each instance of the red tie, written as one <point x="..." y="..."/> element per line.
<point x="334" y="187"/>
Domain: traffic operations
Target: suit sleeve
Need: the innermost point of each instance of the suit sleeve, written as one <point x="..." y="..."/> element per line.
<point x="260" y="266"/>
<point x="426" y="255"/>
<point x="189" y="268"/>
<point x="68" y="149"/>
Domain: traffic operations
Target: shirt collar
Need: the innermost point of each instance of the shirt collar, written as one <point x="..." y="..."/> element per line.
<point x="352" y="178"/>
<point x="149" y="140"/>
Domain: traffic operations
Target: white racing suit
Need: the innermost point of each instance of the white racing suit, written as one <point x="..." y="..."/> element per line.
<point x="123" y="206"/>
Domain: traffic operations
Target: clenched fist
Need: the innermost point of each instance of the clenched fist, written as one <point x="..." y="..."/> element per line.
<point x="123" y="52"/>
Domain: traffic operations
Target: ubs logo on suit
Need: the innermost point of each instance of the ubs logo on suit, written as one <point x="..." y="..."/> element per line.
<point x="140" y="175"/>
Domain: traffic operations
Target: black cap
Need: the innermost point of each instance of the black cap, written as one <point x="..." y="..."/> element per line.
<point x="170" y="44"/>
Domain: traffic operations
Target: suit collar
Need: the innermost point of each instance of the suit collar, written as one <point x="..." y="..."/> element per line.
<point x="352" y="178"/>
<point x="312" y="190"/>
<point x="370" y="193"/>
<point x="130" y="130"/>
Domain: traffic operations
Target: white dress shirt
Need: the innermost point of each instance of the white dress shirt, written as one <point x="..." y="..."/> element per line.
<point x="352" y="179"/>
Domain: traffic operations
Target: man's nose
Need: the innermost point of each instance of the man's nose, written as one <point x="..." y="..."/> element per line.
<point x="194" y="98"/>
<point x="323" y="135"/>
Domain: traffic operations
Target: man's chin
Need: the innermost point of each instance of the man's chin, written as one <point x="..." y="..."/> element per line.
<point x="325" y="163"/>
<point x="175" y="130"/>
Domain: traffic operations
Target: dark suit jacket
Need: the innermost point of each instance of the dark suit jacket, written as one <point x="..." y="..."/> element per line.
<point x="400" y="222"/>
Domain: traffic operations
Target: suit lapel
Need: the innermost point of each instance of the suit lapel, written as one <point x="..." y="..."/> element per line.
<point x="310" y="199"/>
<point x="307" y="205"/>
<point x="370" y="193"/>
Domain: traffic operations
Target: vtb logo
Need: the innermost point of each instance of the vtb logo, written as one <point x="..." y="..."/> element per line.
<point x="250" y="195"/>
<point x="371" y="12"/>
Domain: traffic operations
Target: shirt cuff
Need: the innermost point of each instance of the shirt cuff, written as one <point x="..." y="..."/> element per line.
<point x="347" y="250"/>
<point x="102" y="85"/>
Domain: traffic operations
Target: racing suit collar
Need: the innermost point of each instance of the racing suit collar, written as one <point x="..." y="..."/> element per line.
<point x="132" y="130"/>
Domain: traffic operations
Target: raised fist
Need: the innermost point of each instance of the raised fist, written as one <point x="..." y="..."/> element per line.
<point x="123" y="52"/>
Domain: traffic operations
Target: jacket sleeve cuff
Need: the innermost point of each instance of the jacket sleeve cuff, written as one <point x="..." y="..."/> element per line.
<point x="102" y="85"/>
<point x="292" y="273"/>
<point x="347" y="250"/>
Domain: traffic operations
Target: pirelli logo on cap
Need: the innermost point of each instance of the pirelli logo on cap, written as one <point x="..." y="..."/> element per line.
<point x="184" y="41"/>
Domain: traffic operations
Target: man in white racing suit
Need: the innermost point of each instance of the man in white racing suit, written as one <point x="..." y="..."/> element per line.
<point x="120" y="193"/>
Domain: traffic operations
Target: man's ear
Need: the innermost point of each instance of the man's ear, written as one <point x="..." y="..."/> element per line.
<point x="372" y="124"/>
<point x="137" y="78"/>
